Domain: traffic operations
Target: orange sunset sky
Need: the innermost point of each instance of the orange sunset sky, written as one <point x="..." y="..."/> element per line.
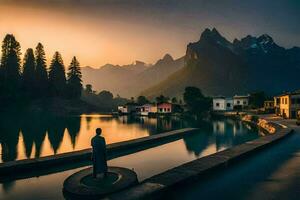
<point x="120" y="32"/>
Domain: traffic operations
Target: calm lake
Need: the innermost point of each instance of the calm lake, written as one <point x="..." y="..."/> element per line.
<point x="74" y="133"/>
<point x="31" y="136"/>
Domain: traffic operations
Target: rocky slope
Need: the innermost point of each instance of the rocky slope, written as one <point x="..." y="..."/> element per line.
<point x="220" y="67"/>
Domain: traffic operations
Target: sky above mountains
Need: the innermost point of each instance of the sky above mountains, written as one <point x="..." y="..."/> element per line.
<point x="121" y="31"/>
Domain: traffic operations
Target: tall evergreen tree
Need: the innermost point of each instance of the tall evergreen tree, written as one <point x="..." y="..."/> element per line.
<point x="74" y="79"/>
<point x="28" y="75"/>
<point x="41" y="76"/>
<point x="57" y="77"/>
<point x="10" y="66"/>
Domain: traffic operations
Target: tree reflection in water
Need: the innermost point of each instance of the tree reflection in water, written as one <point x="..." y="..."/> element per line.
<point x="30" y="135"/>
<point x="41" y="133"/>
<point x="56" y="129"/>
<point x="218" y="134"/>
<point x="73" y="127"/>
<point x="9" y="137"/>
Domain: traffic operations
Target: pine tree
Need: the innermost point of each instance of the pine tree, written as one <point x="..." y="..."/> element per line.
<point x="57" y="78"/>
<point x="41" y="76"/>
<point x="10" y="67"/>
<point x="28" y="75"/>
<point x="74" y="79"/>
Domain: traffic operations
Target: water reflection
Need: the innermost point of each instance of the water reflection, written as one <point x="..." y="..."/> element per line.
<point x="73" y="127"/>
<point x="204" y="142"/>
<point x="30" y="136"/>
<point x="65" y="134"/>
<point x="9" y="136"/>
<point x="218" y="135"/>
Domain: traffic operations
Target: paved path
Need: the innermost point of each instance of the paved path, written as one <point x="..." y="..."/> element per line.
<point x="271" y="174"/>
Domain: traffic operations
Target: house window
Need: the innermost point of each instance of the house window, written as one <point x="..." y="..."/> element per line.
<point x="244" y="102"/>
<point x="238" y="102"/>
<point x="228" y="105"/>
<point x="169" y="109"/>
<point x="218" y="104"/>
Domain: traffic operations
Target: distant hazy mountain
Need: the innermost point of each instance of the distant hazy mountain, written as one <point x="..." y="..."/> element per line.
<point x="130" y="80"/>
<point x="218" y="66"/>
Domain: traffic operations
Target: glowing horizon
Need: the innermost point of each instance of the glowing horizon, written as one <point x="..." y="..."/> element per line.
<point x="75" y="36"/>
<point x="123" y="31"/>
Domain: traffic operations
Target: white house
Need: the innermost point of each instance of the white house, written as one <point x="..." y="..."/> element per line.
<point x="128" y="108"/>
<point x="240" y="100"/>
<point x="222" y="104"/>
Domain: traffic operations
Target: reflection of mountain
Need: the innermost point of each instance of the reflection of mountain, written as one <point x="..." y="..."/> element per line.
<point x="130" y="80"/>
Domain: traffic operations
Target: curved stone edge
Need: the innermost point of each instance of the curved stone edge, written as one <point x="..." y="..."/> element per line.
<point x="73" y="188"/>
<point x="158" y="186"/>
<point x="20" y="167"/>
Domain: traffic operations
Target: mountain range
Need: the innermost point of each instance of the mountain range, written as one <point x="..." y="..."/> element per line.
<point x="220" y="67"/>
<point x="130" y="80"/>
<point x="214" y="64"/>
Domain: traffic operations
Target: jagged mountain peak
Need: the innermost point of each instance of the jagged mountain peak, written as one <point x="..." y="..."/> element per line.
<point x="214" y="37"/>
<point x="242" y="66"/>
<point x="211" y="34"/>
<point x="265" y="39"/>
<point x="246" y="42"/>
<point x="263" y="43"/>
<point x="166" y="59"/>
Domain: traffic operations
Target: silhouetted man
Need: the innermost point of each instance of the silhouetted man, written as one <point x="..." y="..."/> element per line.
<point x="99" y="154"/>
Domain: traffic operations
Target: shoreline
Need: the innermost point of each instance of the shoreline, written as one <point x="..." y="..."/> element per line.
<point x="17" y="168"/>
<point x="158" y="186"/>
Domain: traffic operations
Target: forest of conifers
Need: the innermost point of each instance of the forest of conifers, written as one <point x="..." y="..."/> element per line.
<point x="30" y="78"/>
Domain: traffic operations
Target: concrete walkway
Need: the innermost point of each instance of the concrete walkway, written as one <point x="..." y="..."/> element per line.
<point x="271" y="174"/>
